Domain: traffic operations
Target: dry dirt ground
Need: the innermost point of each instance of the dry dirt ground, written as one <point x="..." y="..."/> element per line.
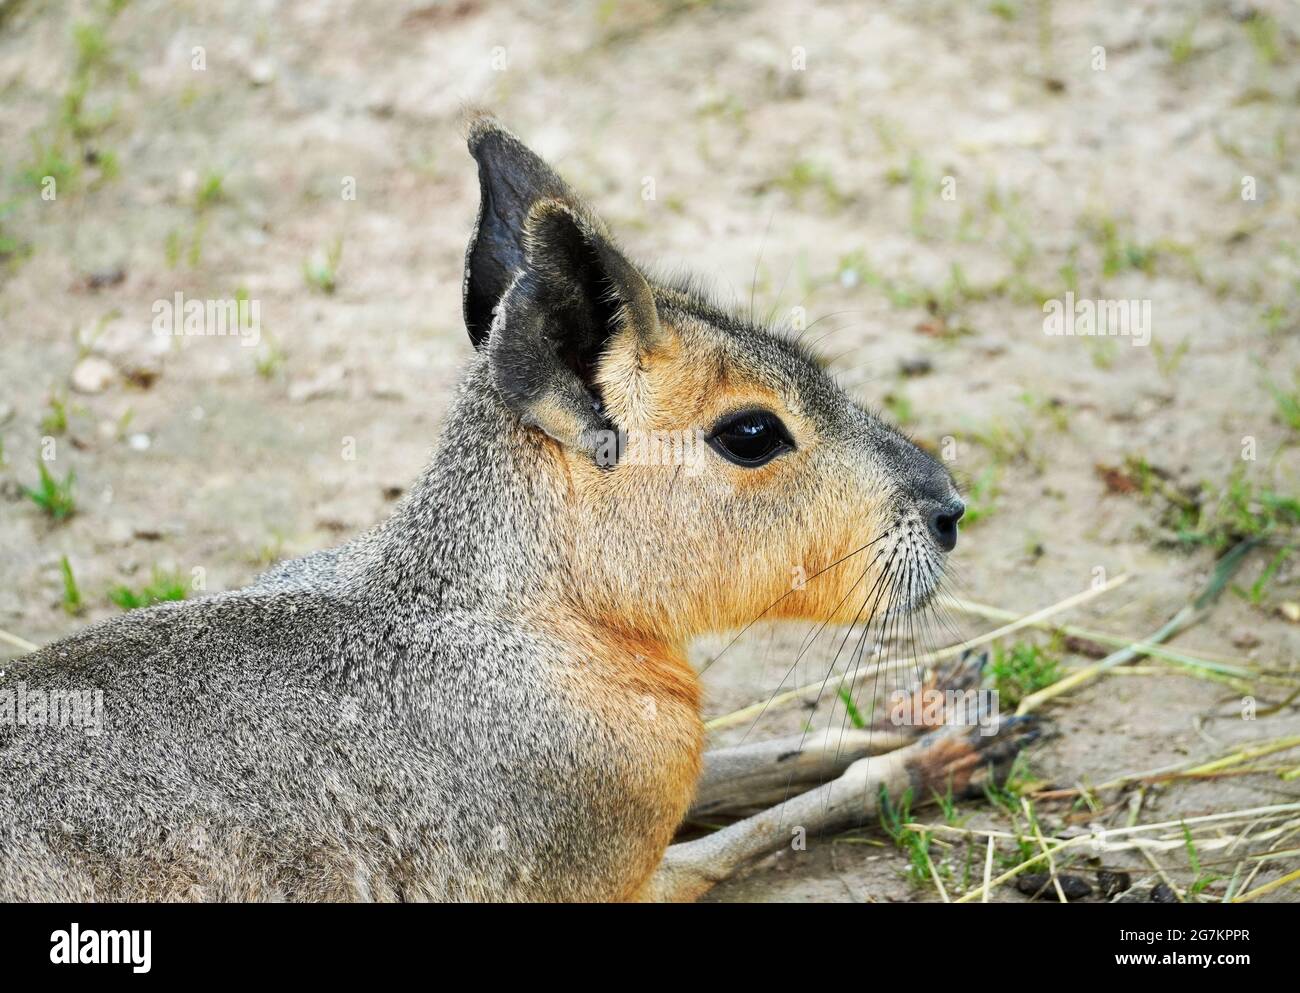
<point x="917" y="177"/>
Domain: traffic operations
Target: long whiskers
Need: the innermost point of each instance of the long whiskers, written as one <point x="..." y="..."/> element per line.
<point x="881" y="586"/>
<point x="851" y="672"/>
<point x="808" y="642"/>
<point x="882" y="583"/>
<point x="704" y="668"/>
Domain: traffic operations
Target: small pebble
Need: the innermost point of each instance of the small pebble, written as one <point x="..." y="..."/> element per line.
<point x="329" y="382"/>
<point x="1113" y="883"/>
<point x="261" y="72"/>
<point x="1039" y="886"/>
<point x="93" y="375"/>
<point x="1245" y="638"/>
<point x="100" y="278"/>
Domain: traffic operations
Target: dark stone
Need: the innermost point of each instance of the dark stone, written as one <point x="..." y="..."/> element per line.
<point x="1113" y="883"/>
<point x="1039" y="886"/>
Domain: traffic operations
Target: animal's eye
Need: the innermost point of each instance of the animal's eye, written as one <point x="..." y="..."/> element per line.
<point x="751" y="438"/>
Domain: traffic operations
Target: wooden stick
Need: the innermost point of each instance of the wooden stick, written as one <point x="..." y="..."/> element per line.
<point x="1248" y="753"/>
<point x="1079" y="842"/>
<point x="934" y="874"/>
<point x="1165" y="777"/>
<point x="1136" y="844"/>
<point x="1042" y="844"/>
<point x="1184" y="618"/>
<point x="1187" y="656"/>
<point x="1290" y="877"/>
<point x="18" y="642"/>
<point x="1213" y="769"/>
<point x="988" y="868"/>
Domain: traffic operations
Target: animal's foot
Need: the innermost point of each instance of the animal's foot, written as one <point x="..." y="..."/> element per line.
<point x="947" y="695"/>
<point x="962" y="760"/>
<point x="965" y="673"/>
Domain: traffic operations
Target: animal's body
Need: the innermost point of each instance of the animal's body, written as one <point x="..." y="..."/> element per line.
<point x="487" y="695"/>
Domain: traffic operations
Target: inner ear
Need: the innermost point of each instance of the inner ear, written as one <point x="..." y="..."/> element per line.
<point x="574" y="291"/>
<point x="581" y="284"/>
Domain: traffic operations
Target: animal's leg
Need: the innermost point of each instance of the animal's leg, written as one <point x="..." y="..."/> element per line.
<point x="754" y="776"/>
<point x="960" y="760"/>
<point x="746" y="778"/>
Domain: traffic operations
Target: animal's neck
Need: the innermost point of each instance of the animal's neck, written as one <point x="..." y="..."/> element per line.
<point x="488" y="530"/>
<point x="482" y="527"/>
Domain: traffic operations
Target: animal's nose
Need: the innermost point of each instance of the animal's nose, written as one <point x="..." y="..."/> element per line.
<point x="943" y="523"/>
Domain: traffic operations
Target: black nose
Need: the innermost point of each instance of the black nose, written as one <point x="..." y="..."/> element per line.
<point x="943" y="523"/>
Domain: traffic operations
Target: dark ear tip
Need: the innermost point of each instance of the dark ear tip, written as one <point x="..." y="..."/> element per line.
<point x="478" y="124"/>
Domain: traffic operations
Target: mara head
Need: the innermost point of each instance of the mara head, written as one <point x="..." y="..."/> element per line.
<point x="714" y="472"/>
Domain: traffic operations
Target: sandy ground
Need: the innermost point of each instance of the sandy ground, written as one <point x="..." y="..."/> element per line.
<point x="928" y="177"/>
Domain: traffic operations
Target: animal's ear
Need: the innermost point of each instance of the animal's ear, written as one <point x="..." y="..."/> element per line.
<point x="573" y="294"/>
<point x="545" y="291"/>
<point x="511" y="180"/>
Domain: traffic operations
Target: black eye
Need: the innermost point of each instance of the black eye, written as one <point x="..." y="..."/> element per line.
<point x="751" y="438"/>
